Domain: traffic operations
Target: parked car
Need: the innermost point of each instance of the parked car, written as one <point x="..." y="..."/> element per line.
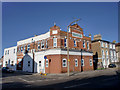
<point x="111" y="65"/>
<point x="7" y="70"/>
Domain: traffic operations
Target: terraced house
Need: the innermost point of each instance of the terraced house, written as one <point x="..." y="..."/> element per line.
<point x="47" y="53"/>
<point x="104" y="52"/>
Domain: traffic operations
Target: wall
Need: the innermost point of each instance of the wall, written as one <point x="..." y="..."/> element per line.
<point x="10" y="57"/>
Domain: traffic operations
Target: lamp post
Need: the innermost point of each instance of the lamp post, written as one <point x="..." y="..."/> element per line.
<point x="68" y="60"/>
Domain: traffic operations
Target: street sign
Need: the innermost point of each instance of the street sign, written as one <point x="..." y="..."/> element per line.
<point x="68" y="59"/>
<point x="45" y="57"/>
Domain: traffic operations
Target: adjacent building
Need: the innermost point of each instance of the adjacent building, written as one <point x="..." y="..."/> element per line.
<point x="104" y="52"/>
<point x="118" y="50"/>
<point x="1" y="61"/>
<point x="10" y="57"/>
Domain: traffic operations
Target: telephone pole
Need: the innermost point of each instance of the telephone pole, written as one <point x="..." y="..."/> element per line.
<point x="68" y="60"/>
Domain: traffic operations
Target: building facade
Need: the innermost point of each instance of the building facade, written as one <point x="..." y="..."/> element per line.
<point x="1" y="61"/>
<point x="47" y="53"/>
<point x="117" y="46"/>
<point x="10" y="57"/>
<point x="104" y="52"/>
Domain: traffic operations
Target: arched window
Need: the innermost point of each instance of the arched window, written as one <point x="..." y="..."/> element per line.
<point x="76" y="62"/>
<point x="54" y="42"/>
<point x="64" y="62"/>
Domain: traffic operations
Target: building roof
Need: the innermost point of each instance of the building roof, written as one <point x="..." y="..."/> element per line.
<point x="101" y="40"/>
<point x="117" y="44"/>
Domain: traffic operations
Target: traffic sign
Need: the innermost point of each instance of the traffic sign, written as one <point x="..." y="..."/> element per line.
<point x="45" y="57"/>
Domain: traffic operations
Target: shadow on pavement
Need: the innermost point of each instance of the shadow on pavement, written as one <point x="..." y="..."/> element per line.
<point x="16" y="73"/>
<point x="103" y="81"/>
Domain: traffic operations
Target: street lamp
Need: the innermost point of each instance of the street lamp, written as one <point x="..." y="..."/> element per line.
<point x="68" y="60"/>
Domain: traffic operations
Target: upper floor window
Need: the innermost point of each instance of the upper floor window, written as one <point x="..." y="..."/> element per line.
<point x="64" y="63"/>
<point x="90" y="62"/>
<point x="106" y="45"/>
<point x="113" y="46"/>
<point x="42" y="44"/>
<point x="102" y="44"/>
<point x="21" y="48"/>
<point x="38" y="45"/>
<point x="28" y="47"/>
<point x="46" y="44"/>
<point x="8" y="51"/>
<point x="106" y="53"/>
<point x="24" y="48"/>
<point x="5" y="52"/>
<point x="103" y="52"/>
<point x="82" y="62"/>
<point x="114" y="54"/>
<point x="83" y="44"/>
<point x="65" y="42"/>
<point x="110" y="45"/>
<point x="75" y="43"/>
<point x="76" y="63"/>
<point x="14" y="51"/>
<point x="88" y="45"/>
<point x="54" y="42"/>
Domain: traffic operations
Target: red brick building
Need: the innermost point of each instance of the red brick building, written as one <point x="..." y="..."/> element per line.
<point x="49" y="51"/>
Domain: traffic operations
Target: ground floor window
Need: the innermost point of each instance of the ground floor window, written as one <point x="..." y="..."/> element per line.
<point x="12" y="63"/>
<point x="46" y="62"/>
<point x="82" y="62"/>
<point x="90" y="62"/>
<point x="76" y="63"/>
<point x="64" y="63"/>
<point x="40" y="63"/>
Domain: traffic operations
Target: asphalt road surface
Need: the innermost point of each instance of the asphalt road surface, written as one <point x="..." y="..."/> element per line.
<point x="108" y="78"/>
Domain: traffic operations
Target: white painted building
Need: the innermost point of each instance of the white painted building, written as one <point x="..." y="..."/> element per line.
<point x="10" y="57"/>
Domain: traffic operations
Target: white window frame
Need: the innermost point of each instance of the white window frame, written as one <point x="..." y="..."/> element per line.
<point x="75" y="43"/>
<point x="40" y="63"/>
<point x="113" y="46"/>
<point x="42" y="44"/>
<point x="90" y="62"/>
<point x="106" y="45"/>
<point x="46" y="43"/>
<point x="102" y="44"/>
<point x="8" y="52"/>
<point x="24" y="47"/>
<point x="54" y="42"/>
<point x="38" y="45"/>
<point x="65" y="42"/>
<point x="21" y="48"/>
<point x="28" y="47"/>
<point x="83" y="44"/>
<point x="28" y="63"/>
<point x="82" y="62"/>
<point x="76" y="62"/>
<point x="64" y="64"/>
<point x="88" y="45"/>
<point x="46" y="62"/>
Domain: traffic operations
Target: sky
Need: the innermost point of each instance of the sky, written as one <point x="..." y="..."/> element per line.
<point x="22" y="20"/>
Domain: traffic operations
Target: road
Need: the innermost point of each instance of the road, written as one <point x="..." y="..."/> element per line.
<point x="108" y="78"/>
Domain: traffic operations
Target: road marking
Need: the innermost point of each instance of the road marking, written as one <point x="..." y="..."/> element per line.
<point x="77" y="85"/>
<point x="25" y="80"/>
